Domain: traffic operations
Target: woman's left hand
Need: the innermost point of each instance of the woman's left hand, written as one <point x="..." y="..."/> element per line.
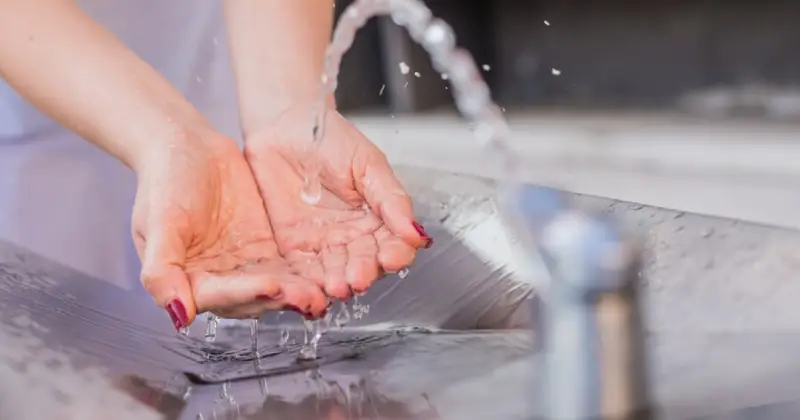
<point x="362" y="226"/>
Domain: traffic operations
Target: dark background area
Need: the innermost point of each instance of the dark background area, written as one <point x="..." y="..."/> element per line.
<point x="611" y="53"/>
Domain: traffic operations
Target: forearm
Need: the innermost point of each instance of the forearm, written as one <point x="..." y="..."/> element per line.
<point x="277" y="52"/>
<point x="78" y="73"/>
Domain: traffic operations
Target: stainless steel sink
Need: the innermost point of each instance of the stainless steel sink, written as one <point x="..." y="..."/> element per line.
<point x="723" y="330"/>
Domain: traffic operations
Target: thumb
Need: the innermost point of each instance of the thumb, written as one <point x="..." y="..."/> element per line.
<point x="163" y="274"/>
<point x="388" y="199"/>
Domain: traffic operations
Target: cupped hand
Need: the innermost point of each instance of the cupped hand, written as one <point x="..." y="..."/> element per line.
<point x="363" y="224"/>
<point x="204" y="238"/>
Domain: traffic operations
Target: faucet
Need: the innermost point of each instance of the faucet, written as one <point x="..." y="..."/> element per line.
<point x="593" y="363"/>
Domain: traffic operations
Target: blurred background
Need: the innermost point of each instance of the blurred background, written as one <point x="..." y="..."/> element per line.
<point x="690" y="105"/>
<point x="703" y="56"/>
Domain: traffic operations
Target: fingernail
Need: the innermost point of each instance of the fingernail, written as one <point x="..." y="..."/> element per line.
<point x="424" y="235"/>
<point x="177" y="313"/>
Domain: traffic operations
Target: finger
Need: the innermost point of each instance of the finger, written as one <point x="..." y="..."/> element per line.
<point x="258" y="289"/>
<point x="394" y="254"/>
<point x="164" y="278"/>
<point x="334" y="261"/>
<point x="384" y="193"/>
<point x="215" y="291"/>
<point x="362" y="263"/>
<point x="346" y="232"/>
<point x="308" y="266"/>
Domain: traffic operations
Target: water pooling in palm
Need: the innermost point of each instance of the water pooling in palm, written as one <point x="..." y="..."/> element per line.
<point x="471" y="93"/>
<point x="472" y="97"/>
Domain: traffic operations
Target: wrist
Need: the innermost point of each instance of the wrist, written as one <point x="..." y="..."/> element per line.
<point x="282" y="110"/>
<point x="172" y="138"/>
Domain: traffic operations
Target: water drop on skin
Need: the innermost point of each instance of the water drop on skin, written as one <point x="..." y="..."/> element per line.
<point x="312" y="190"/>
<point x="403" y="273"/>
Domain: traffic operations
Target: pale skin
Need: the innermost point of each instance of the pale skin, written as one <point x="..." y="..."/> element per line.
<point x="218" y="230"/>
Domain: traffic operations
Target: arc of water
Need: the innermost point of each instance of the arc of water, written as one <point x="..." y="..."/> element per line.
<point x="472" y="95"/>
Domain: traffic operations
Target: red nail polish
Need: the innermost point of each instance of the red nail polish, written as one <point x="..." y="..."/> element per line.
<point x="424" y="235"/>
<point x="177" y="313"/>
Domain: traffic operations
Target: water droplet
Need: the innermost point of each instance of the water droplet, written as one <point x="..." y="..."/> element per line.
<point x="547" y="23"/>
<point x="325" y="324"/>
<point x="403" y="273"/>
<point x="211" y="328"/>
<point x="284" y="340"/>
<point x="486" y="67"/>
<point x="343" y="317"/>
<point x="404" y="69"/>
<point x="383" y="87"/>
<point x="445" y="76"/>
<point x="556" y="72"/>
<point x="416" y="74"/>
<point x="310" y="340"/>
<point x="199" y="79"/>
<point x="184" y="331"/>
<point x="254" y="336"/>
<point x="312" y="190"/>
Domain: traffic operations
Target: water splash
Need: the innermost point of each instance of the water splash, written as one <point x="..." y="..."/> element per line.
<point x="359" y="309"/>
<point x="254" y="336"/>
<point x="311" y="337"/>
<point x="212" y="321"/>
<point x="471" y="93"/>
<point x="226" y="404"/>
<point x="343" y="316"/>
<point x="325" y="323"/>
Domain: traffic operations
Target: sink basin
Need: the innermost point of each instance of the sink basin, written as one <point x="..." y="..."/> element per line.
<point x="454" y="340"/>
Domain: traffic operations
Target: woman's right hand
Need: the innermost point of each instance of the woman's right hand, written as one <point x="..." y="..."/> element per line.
<point x="203" y="235"/>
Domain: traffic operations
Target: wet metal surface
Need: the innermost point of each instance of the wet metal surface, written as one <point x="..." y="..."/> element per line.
<point x="722" y="321"/>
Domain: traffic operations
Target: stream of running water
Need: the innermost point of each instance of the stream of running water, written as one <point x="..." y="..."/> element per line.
<point x="472" y="98"/>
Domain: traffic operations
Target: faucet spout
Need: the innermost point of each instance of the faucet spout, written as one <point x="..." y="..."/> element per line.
<point x="593" y="364"/>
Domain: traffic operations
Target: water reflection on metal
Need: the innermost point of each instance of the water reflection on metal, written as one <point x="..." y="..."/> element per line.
<point x="331" y="399"/>
<point x="724" y="338"/>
